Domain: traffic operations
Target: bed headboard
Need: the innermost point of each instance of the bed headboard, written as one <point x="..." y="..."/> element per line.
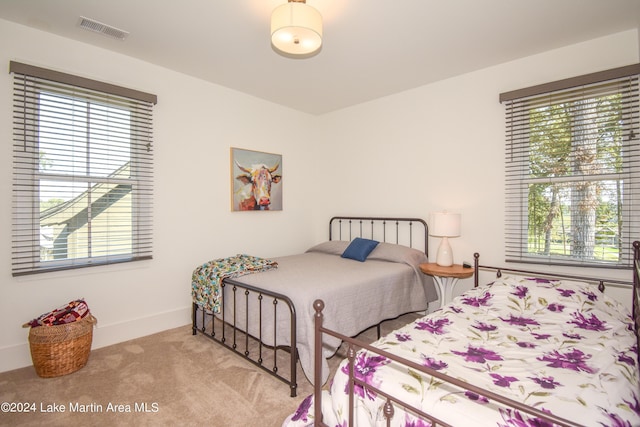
<point x="411" y="232"/>
<point x="548" y="275"/>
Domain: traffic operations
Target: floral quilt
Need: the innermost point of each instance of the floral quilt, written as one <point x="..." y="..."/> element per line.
<point x="560" y="346"/>
<point x="206" y="279"/>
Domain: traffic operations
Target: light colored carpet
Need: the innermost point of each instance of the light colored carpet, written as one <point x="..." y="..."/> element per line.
<point x="170" y="378"/>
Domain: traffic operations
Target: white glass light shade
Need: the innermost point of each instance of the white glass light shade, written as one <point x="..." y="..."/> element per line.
<point x="296" y="29"/>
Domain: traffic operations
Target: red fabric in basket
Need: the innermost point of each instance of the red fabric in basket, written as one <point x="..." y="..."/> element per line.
<point x="71" y="312"/>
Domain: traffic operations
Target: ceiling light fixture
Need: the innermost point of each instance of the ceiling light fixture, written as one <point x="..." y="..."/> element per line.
<point x="296" y="29"/>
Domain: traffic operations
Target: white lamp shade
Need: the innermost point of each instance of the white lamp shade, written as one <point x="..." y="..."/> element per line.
<point x="296" y="29"/>
<point x="444" y="224"/>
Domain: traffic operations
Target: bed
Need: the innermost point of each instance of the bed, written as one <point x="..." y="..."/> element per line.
<point x="526" y="350"/>
<point x="265" y="314"/>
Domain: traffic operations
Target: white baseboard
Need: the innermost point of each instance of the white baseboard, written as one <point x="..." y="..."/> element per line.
<point x="14" y="357"/>
<point x="19" y="356"/>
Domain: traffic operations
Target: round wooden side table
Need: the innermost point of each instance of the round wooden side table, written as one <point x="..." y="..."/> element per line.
<point x="446" y="278"/>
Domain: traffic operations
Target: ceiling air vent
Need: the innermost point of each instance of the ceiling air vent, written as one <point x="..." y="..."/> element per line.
<point x="99" y="27"/>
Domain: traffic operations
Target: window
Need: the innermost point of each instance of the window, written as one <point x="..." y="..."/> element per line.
<point x="83" y="172"/>
<point x="573" y="170"/>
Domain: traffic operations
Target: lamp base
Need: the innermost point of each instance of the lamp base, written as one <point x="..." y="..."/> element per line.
<point x="444" y="258"/>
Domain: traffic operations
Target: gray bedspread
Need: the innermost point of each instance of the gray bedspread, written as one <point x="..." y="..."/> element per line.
<point x="357" y="295"/>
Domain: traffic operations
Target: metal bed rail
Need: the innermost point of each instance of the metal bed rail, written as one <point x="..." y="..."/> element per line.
<point x="500" y="270"/>
<point x="229" y="331"/>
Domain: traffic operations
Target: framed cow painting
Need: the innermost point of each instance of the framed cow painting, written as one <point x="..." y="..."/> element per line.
<point x="256" y="180"/>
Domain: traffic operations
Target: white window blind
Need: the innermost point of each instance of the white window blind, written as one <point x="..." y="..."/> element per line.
<point x="573" y="170"/>
<point x="82" y="172"/>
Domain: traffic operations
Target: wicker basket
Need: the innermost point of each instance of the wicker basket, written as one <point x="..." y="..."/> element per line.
<point x="61" y="349"/>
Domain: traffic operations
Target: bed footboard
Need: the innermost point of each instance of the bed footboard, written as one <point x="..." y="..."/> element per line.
<point x="237" y="329"/>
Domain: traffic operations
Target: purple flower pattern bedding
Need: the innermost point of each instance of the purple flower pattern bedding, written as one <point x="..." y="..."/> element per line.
<point x="560" y="346"/>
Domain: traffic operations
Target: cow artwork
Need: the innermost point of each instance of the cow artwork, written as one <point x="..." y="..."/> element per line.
<point x="254" y="187"/>
<point x="260" y="177"/>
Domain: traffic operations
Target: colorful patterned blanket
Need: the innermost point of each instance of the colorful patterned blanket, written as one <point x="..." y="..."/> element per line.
<point x="73" y="311"/>
<point x="206" y="279"/>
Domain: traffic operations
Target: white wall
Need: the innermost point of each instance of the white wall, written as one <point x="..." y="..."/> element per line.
<point x="195" y="124"/>
<point x="441" y="146"/>
<point x="436" y="147"/>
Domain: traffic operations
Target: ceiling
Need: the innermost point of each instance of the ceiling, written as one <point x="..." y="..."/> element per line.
<point x="372" y="48"/>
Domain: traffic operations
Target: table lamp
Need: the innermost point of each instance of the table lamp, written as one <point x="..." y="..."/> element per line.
<point x="445" y="225"/>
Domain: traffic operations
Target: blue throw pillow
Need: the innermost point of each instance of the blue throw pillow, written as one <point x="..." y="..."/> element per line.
<point x="359" y="249"/>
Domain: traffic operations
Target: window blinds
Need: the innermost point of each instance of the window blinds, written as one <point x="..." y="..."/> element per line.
<point x="573" y="170"/>
<point x="83" y="172"/>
